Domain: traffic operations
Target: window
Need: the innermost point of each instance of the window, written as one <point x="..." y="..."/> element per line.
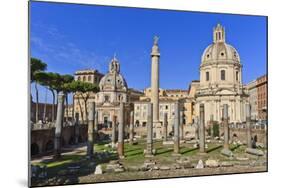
<point x="84" y="78"/>
<point x="166" y="107"/>
<point x="89" y="78"/>
<point x="222" y="74"/>
<point x="106" y="98"/>
<point x="79" y="78"/>
<point x="237" y="74"/>
<point x="207" y="76"/>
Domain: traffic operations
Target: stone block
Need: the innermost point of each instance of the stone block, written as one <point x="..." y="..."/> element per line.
<point x="98" y="170"/>
<point x="199" y="165"/>
<point x="254" y="151"/>
<point x="212" y="163"/>
<point x="226" y="164"/>
<point x="164" y="168"/>
<point x="227" y="152"/>
<point x="170" y="142"/>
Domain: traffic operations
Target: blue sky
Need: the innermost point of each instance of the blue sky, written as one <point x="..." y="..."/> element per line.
<point x="69" y="37"/>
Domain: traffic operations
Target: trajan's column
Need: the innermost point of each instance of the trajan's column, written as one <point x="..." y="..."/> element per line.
<point x="155" y="57"/>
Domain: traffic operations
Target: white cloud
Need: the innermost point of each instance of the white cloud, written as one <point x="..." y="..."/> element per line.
<point x="53" y="44"/>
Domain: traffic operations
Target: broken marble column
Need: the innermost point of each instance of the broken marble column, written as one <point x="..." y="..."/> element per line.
<point x="202" y="129"/>
<point x="59" y="123"/>
<point x="149" y="143"/>
<point x="181" y="126"/>
<point x="248" y="126"/>
<point x="165" y="131"/>
<point x="226" y="151"/>
<point x="120" y="148"/>
<point x="226" y="127"/>
<point x="113" y="137"/>
<point x="96" y="121"/>
<point x="91" y="122"/>
<point x="131" y="136"/>
<point x="176" y="129"/>
<point x="196" y="131"/>
<point x="76" y="128"/>
<point x="212" y="126"/>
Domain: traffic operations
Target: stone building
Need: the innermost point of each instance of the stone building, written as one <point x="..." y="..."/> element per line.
<point x="68" y="112"/>
<point x="257" y="90"/>
<point x="167" y="99"/>
<point x="221" y="80"/>
<point x="90" y="76"/>
<point x="262" y="97"/>
<point x="113" y="90"/>
<point x="253" y="98"/>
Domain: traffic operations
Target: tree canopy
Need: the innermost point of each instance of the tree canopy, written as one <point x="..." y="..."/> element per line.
<point x="36" y="65"/>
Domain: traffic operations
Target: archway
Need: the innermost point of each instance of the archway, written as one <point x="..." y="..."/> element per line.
<point x="34" y="149"/>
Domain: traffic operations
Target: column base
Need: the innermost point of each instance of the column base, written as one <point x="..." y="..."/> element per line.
<point x="226" y="152"/>
<point x="202" y="153"/>
<point x="157" y="126"/>
<point x="148" y="155"/>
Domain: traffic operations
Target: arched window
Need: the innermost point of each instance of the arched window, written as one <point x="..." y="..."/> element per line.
<point x="207" y="76"/>
<point x="237" y="74"/>
<point x="84" y="78"/>
<point x="222" y="74"/>
<point x="89" y="78"/>
<point x="79" y="78"/>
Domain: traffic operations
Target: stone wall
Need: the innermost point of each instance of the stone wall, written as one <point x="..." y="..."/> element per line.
<point x="240" y="133"/>
<point x="42" y="140"/>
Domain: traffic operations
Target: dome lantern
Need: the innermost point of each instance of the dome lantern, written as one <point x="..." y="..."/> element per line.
<point x="114" y="66"/>
<point x="219" y="34"/>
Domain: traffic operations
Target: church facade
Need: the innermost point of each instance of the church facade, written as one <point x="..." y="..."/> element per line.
<point x="221" y="80"/>
<point x="113" y="91"/>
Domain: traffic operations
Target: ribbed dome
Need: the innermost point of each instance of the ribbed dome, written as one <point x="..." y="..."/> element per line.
<point x="113" y="80"/>
<point x="220" y="51"/>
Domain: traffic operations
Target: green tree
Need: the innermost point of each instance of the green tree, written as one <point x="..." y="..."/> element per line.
<point x="83" y="90"/>
<point x="48" y="79"/>
<point x="36" y="65"/>
<point x="55" y="83"/>
<point x="66" y="87"/>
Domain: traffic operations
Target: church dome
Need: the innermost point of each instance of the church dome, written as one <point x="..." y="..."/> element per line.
<point x="219" y="50"/>
<point x="113" y="80"/>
